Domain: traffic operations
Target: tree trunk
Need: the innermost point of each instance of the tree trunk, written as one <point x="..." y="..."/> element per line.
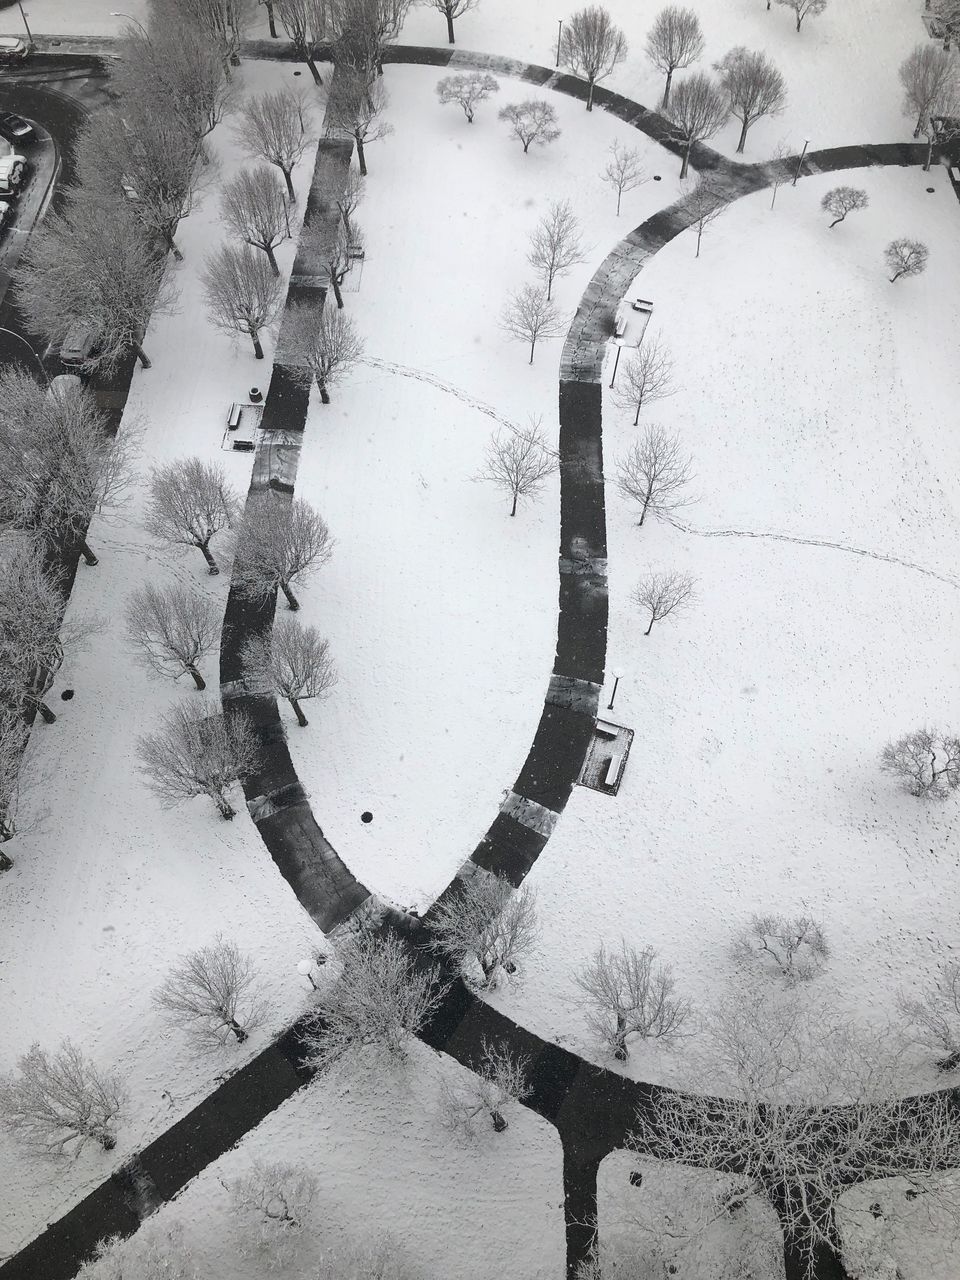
<point x="896" y="277"/>
<point x="298" y="712"/>
<point x="292" y="195"/>
<point x="650" y="628"/>
<point x="198" y="679"/>
<point x="666" y="91"/>
<point x="589" y="95"/>
<point x="88" y="556"/>
<point x="513" y="509"/>
<point x="526" y="144"/>
<point x="237" y="1030"/>
<point x="929" y="159"/>
<point x="549" y="285"/>
<point x="743" y="137"/>
<point x="916" y="132"/>
<point x="835" y="221"/>
<point x="620" y="1039"/>
<point x="171" y="245"/>
<point x="212" y="566"/>
<point x="6" y="862"/>
<point x="336" y="289"/>
<point x="636" y="420"/>
<point x="271" y="258"/>
<point x="449" y="12"/>
<point x="799" y="19"/>
<point x="313" y="68"/>
<point x="292" y="600"/>
<point x="686" y="161"/>
<point x="270" y="20"/>
<point x="533" y="343"/>
<point x="107" y="1141"/>
<point x="324" y="393"/>
<point x="699" y="238"/>
<point x="619" y="198"/>
<point x="46" y="715"/>
<point x="361" y="157"/>
<point x="142" y="356"/>
<point x="499" y="1124"/>
<point x="224" y="807"/>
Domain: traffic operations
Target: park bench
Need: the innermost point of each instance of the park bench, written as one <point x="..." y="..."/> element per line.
<point x="233" y="420"/>
<point x="641" y="304"/>
<point x="613" y="769"/>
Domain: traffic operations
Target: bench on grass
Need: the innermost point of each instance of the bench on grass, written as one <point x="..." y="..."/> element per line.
<point x="641" y="304"/>
<point x="607" y="730"/>
<point x="233" y="419"/>
<point x="613" y="769"/>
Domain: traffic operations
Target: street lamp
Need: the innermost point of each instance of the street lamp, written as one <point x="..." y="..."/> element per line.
<point x="619" y="346"/>
<point x="305" y="970"/>
<point x="130" y="18"/>
<point x="21" y="338"/>
<point x="616" y="680"/>
<point x="25" y="23"/>
<point x="806" y="143"/>
<point x="559" y="30"/>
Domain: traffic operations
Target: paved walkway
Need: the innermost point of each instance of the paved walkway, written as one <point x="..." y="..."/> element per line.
<point x="592" y="1109"/>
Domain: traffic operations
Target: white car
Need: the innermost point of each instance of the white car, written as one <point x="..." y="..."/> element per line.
<point x="5" y="210"/>
<point x="12" y="49"/>
<point x="13" y="169"/>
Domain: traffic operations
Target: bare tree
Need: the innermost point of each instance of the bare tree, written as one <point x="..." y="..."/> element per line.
<point x="152" y="156"/>
<point x="592" y="46"/>
<point x="305" y="22"/>
<point x="331" y="251"/>
<point x="274" y="1203"/>
<point x="655" y="474"/>
<point x="698" y="109"/>
<point x="318" y="346"/>
<point x="928" y="762"/>
<point x="173" y="628"/>
<point x="529" y="316"/>
<point x="928" y="76"/>
<point x="94" y="265"/>
<point x="792" y="947"/>
<point x="349" y="199"/>
<point x="13" y="743"/>
<point x="361" y="29"/>
<point x="647" y="376"/>
<point x="271" y="127"/>
<point x="555" y="245"/>
<point x="674" y="42"/>
<point x="777" y="169"/>
<point x="253" y="207"/>
<point x="219" y="23"/>
<point x="624" y="170"/>
<point x="840" y="201"/>
<point x="356" y="111"/>
<point x="452" y="9"/>
<point x="946" y="20"/>
<point x="519" y="462"/>
<point x="499" y="1079"/>
<point x="200" y="751"/>
<point x="906" y="258"/>
<point x="531" y="121"/>
<point x="378" y="1000"/>
<point x="153" y="1253"/>
<point x="242" y="293"/>
<point x="935" y="1015"/>
<point x="782" y="1066"/>
<point x="190" y="502"/>
<point x="629" y="995"/>
<point x="280" y="542"/>
<point x="754" y="88"/>
<point x="485" y="918"/>
<point x="705" y="202"/>
<point x="293" y="661"/>
<point x="663" y="594"/>
<point x="467" y="90"/>
<point x="213" y="993"/>
<point x="57" y="1102"/>
<point x="804" y="8"/>
<point x="58" y="465"/>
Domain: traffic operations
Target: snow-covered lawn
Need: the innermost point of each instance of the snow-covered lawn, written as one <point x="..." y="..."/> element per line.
<point x="840" y="71"/>
<point x="111" y="889"/>
<point x="460" y="1209"/>
<point x="440" y="608"/>
<point x="815" y="400"/>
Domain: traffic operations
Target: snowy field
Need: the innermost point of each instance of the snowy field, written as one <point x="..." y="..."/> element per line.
<point x="840" y="71"/>
<point x="813" y="397"/>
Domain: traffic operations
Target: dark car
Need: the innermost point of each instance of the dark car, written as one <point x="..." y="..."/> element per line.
<point x="15" y="128"/>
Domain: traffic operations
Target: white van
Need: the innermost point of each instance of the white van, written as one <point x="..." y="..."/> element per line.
<point x="63" y="385"/>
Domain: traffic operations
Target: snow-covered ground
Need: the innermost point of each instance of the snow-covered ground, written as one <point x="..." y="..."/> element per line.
<point x="840" y="71"/>
<point x="813" y="398"/>
<point x="109" y="890"/>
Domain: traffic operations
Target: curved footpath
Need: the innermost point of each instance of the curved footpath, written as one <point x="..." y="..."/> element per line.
<point x="593" y="1109"/>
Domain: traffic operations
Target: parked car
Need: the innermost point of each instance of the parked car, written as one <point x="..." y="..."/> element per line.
<point x="79" y="344"/>
<point x="12" y="49"/>
<point x="63" y="385"/>
<point x="5" y="211"/>
<point x="15" y="128"/>
<point x="13" y="172"/>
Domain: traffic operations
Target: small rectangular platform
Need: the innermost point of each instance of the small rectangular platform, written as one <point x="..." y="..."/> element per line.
<point x="242" y="426"/>
<point x="606" y="758"/>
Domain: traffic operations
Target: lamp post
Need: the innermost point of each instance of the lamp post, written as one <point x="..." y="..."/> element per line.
<point x="114" y="13"/>
<point x="559" y="32"/>
<point x="20" y="338"/>
<point x="619" y="346"/>
<point x="806" y="143"/>
<point x="616" y="680"/>
<point x="25" y="23"/>
<point x="305" y="970"/>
